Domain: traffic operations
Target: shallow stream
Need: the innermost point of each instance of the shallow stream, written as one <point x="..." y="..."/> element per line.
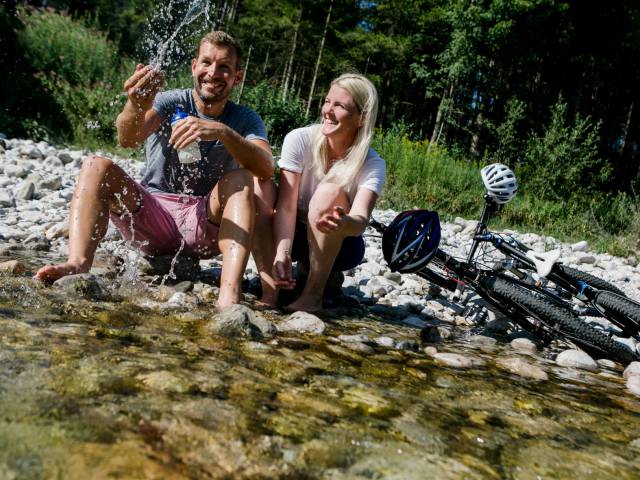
<point x="126" y="389"/>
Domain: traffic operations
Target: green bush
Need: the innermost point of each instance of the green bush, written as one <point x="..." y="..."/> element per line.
<point x="562" y="163"/>
<point x="82" y="72"/>
<point x="279" y="115"/>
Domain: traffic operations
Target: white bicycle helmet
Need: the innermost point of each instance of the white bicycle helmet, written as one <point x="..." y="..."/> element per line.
<point x="500" y="182"/>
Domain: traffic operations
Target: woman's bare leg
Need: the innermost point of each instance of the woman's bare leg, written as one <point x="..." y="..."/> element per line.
<point x="323" y="247"/>
<point x="102" y="187"/>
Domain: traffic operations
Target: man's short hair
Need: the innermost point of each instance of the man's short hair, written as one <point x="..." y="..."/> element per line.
<point x="218" y="37"/>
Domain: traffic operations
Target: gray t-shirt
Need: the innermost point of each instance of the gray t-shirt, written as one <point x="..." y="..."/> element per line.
<point x="165" y="173"/>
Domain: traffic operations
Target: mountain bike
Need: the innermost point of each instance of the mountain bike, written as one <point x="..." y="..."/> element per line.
<point x="559" y="282"/>
<point x="521" y="302"/>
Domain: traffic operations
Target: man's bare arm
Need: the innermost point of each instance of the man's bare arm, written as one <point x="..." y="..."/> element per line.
<point x="138" y="119"/>
<point x="254" y="155"/>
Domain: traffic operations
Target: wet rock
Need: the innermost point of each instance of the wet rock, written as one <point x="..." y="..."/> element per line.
<point x="164" y="381"/>
<point x="302" y="322"/>
<point x="414" y="321"/>
<point x="499" y="325"/>
<point x="633" y="369"/>
<point x="13" y="267"/>
<point x="239" y="320"/>
<point x="183" y="268"/>
<point x="457" y="361"/>
<point x="524" y="345"/>
<point x="410" y="345"/>
<point x="179" y="299"/>
<point x="524" y="369"/>
<point x="633" y="384"/>
<point x="85" y="285"/>
<point x="184" y="287"/>
<point x="430" y="334"/>
<point x="386" y="342"/>
<point x="353" y="338"/>
<point x="576" y="359"/>
<point x="430" y="351"/>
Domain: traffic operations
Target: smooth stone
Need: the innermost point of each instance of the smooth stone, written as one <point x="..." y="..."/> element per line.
<point x="178" y="299"/>
<point x="524" y="344"/>
<point x="519" y="367"/>
<point x="184" y="287"/>
<point x="454" y="360"/>
<point x="633" y="369"/>
<point x="577" y="359"/>
<point x="13" y="267"/>
<point x="633" y="384"/>
<point x="386" y="342"/>
<point x="6" y="199"/>
<point x="15" y="171"/>
<point x="65" y="157"/>
<point x="86" y="285"/>
<point x="239" y="320"/>
<point x="59" y="230"/>
<point x="587" y="259"/>
<point x="25" y="190"/>
<point x="50" y="183"/>
<point x="302" y="322"/>
<point x="353" y="338"/>
<point x="411" y="345"/>
<point x="581" y="246"/>
<point x="430" y="351"/>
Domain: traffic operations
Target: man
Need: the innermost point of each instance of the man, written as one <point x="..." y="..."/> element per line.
<point x="199" y="209"/>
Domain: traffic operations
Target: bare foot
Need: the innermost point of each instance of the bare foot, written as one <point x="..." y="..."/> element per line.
<point x="305" y="305"/>
<point x="227" y="300"/>
<point x="50" y="273"/>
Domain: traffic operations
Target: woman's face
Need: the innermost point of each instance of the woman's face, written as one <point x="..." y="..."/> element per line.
<point x="340" y="116"/>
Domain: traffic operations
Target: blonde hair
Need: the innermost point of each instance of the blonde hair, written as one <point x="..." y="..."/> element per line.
<point x="345" y="171"/>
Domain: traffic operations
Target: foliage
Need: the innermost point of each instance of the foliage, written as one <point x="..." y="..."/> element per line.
<point x="279" y="115"/>
<point x="562" y="162"/>
<point x="82" y="72"/>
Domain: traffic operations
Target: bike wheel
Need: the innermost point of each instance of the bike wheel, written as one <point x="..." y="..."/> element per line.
<point x="540" y="316"/>
<point x="622" y="311"/>
<point x="593" y="281"/>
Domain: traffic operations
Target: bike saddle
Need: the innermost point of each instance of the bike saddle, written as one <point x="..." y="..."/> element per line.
<point x="544" y="261"/>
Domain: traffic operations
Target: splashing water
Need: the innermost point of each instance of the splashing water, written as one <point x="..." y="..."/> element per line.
<point x="162" y="42"/>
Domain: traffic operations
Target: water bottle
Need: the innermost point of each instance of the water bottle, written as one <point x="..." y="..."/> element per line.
<point x="190" y="153"/>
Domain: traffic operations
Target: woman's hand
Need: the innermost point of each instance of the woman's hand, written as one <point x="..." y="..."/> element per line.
<point x="332" y="221"/>
<point x="194" y="129"/>
<point x="281" y="271"/>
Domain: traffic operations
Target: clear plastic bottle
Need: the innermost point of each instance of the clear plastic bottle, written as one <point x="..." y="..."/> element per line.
<point x="191" y="153"/>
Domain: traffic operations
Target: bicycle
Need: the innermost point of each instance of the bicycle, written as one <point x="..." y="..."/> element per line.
<point x="560" y="282"/>
<point x="515" y="294"/>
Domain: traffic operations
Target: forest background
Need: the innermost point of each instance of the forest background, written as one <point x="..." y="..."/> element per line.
<point x="548" y="87"/>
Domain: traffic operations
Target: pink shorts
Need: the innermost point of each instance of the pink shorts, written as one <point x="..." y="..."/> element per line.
<point x="167" y="222"/>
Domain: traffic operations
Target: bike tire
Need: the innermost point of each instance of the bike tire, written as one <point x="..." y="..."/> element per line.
<point x="555" y="321"/>
<point x="622" y="311"/>
<point x="591" y="280"/>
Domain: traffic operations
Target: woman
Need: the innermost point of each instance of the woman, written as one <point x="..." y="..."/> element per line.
<point x="330" y="180"/>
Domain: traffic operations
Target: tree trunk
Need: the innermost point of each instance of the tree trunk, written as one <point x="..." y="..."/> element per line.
<point x="475" y="138"/>
<point x="246" y="69"/>
<point x="440" y="118"/>
<point x="625" y="131"/>
<point x="289" y="67"/>
<point x="266" y="61"/>
<point x="315" y="72"/>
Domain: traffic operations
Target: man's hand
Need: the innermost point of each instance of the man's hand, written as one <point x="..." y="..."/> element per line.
<point x="142" y="86"/>
<point x="194" y="129"/>
<point x="331" y="221"/>
<point x="281" y="271"/>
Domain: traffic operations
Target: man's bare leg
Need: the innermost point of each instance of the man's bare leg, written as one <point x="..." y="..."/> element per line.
<point x="102" y="187"/>
<point x="263" y="246"/>
<point x="231" y="205"/>
<point x="323" y="247"/>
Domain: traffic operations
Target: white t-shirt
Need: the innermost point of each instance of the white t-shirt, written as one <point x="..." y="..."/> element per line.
<point x="296" y="157"/>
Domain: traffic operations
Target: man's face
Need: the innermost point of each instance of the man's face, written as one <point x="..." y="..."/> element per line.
<point x="215" y="72"/>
